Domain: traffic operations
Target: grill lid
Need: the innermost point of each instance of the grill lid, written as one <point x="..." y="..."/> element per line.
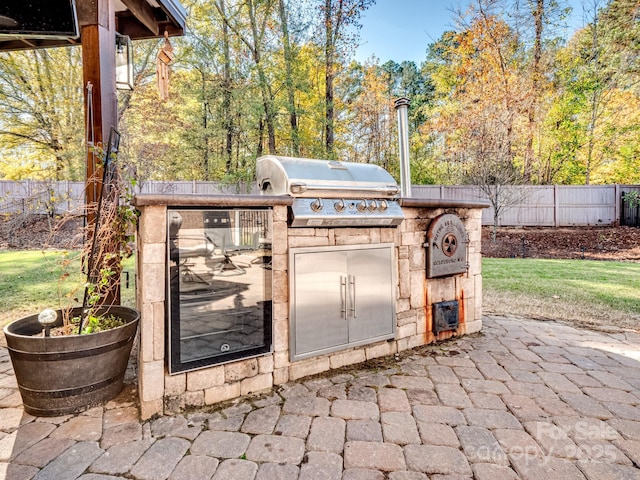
<point x="303" y="177"/>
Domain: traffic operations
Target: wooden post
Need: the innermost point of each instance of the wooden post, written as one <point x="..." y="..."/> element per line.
<point x="98" y="36"/>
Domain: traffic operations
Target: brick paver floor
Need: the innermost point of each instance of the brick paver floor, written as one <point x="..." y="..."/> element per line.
<point x="523" y="399"/>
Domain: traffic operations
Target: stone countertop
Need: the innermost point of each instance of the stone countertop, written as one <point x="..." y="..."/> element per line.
<point x="150" y="199"/>
<point x="438" y="203"/>
<point x="190" y="200"/>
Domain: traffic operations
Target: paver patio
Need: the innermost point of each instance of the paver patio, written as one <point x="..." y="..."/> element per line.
<point x="523" y="399"/>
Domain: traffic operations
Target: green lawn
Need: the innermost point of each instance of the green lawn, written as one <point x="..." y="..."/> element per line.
<point x="31" y="281"/>
<point x="575" y="290"/>
<point x="593" y="291"/>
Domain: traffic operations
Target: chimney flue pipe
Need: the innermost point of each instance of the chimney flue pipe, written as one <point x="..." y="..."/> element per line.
<point x="402" y="107"/>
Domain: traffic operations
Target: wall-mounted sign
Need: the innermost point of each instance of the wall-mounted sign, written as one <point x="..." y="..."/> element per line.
<point x="446" y="246"/>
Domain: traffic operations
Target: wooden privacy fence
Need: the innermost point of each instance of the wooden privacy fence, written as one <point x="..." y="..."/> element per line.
<point x="547" y="205"/>
<point x="528" y="205"/>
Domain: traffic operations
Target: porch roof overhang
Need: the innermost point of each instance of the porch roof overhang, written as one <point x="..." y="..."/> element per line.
<point x="138" y="19"/>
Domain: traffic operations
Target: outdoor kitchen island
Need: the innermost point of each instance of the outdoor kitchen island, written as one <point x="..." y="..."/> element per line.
<point x="255" y="296"/>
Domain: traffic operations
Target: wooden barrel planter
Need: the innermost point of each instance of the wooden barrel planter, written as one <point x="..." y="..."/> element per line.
<point x="67" y="374"/>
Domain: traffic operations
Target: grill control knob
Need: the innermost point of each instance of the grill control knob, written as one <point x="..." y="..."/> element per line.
<point x="339" y="206"/>
<point x="317" y="205"/>
<point x="361" y="206"/>
<point x="373" y="205"/>
<point x="383" y="205"/>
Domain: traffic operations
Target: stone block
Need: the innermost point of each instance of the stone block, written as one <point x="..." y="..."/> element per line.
<point x="475" y="234"/>
<point x="146" y="333"/>
<point x="417" y="258"/>
<point x="402" y="305"/>
<point x="153" y="253"/>
<point x="436" y="459"/>
<point x="374" y="455"/>
<point x="477" y="311"/>
<point x="158" y="331"/>
<point x="206" y="378"/>
<point x="151" y="378"/>
<point x="406" y="318"/>
<point x="380" y="350"/>
<point x="473" y="326"/>
<point x="341" y="359"/>
<point x="408" y="343"/>
<point x="362" y="239"/>
<point x="374" y="235"/>
<point x="466" y="284"/>
<point x="152" y="283"/>
<point x="280" y="213"/>
<point x="477" y="285"/>
<point x="389" y="235"/>
<point x="193" y="399"/>
<point x="406" y="330"/>
<point x="412" y="238"/>
<point x="280" y="287"/>
<point x="409" y="213"/>
<point x="281" y="359"/>
<point x="475" y="263"/>
<point x="309" y="367"/>
<point x="280" y="376"/>
<point x="175" y="384"/>
<point x="279" y="262"/>
<point x="151" y="408"/>
<point x="280" y="243"/>
<point x="301" y="242"/>
<point x="151" y="218"/>
<point x="309" y="232"/>
<point x="263" y="381"/>
<point x="417" y="289"/>
<point x="404" y="278"/>
<point x="265" y="364"/>
<point x="222" y="393"/>
<point x="421" y="322"/>
<point x="280" y="333"/>
<point x="441" y="289"/>
<point x="240" y="370"/>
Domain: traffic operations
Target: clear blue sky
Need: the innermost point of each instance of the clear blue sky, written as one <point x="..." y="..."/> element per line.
<point x="403" y="29"/>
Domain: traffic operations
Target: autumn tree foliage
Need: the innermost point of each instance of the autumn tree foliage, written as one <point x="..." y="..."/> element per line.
<point x="511" y="95"/>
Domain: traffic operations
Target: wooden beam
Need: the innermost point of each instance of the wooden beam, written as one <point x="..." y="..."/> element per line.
<point x="144" y="13"/>
<point x="98" y="69"/>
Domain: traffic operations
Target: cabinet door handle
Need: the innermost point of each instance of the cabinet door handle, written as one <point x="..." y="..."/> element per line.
<point x="343" y="297"/>
<point x="352" y="284"/>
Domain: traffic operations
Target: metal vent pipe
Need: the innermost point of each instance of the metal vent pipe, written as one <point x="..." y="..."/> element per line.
<point x="402" y="107"/>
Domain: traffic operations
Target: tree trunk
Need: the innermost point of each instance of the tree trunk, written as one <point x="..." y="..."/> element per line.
<point x="329" y="52"/>
<point x="288" y="61"/>
<point x="538" y="15"/>
<point x="226" y="93"/>
<point x="267" y="95"/>
<point x="205" y="133"/>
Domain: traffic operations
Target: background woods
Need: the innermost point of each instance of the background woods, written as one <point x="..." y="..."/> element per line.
<point x="509" y="96"/>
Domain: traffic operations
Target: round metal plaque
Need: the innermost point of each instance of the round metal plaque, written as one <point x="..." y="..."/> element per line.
<point x="446" y="246"/>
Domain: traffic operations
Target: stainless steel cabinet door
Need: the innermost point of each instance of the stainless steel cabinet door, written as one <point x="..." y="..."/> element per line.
<point x="319" y="303"/>
<point x="371" y="294"/>
<point x="340" y="297"/>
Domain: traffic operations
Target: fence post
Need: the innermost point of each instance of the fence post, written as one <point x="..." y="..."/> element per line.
<point x="617" y="201"/>
<point x="556" y="206"/>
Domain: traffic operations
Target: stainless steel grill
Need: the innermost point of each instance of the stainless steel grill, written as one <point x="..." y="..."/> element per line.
<point x="331" y="193"/>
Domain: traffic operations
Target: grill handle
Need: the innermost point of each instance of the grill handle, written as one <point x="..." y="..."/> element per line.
<point x="297" y="188"/>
